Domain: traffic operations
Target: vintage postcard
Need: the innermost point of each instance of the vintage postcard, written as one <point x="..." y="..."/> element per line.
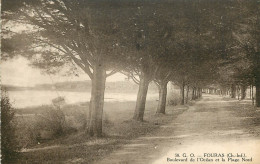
<point x="130" y="81"/>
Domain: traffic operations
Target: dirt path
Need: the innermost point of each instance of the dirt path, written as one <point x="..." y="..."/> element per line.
<point x="210" y="126"/>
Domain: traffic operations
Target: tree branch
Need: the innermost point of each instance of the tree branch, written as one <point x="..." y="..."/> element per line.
<point x="135" y="79"/>
<point x="111" y="73"/>
<point x="83" y="66"/>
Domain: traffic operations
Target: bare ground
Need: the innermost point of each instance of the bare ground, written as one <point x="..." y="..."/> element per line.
<point x="212" y="125"/>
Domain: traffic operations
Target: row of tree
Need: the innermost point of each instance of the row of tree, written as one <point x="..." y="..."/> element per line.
<point x="192" y="43"/>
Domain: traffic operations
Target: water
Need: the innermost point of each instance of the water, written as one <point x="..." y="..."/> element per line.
<point x="21" y="99"/>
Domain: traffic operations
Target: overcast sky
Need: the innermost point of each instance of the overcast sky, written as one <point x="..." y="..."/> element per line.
<point x="18" y="72"/>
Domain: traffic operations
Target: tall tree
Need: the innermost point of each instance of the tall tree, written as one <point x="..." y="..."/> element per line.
<point x="151" y="33"/>
<point x="81" y="32"/>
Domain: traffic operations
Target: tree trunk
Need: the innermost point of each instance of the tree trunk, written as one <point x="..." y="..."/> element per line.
<point x="253" y="98"/>
<point x="162" y="97"/>
<point x="199" y="92"/>
<point x="250" y="91"/>
<point x="187" y="94"/>
<point x="243" y="92"/>
<point x="257" y="86"/>
<point x="233" y="91"/>
<point x="196" y="93"/>
<point x="141" y="98"/>
<point x="97" y="101"/>
<point x="182" y="93"/>
<point x="193" y="93"/>
<point x="238" y="92"/>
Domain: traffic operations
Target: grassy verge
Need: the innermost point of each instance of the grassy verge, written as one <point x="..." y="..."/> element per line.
<point x="250" y="115"/>
<point x="118" y="128"/>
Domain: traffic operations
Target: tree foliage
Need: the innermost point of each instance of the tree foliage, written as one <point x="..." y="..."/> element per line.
<point x="192" y="43"/>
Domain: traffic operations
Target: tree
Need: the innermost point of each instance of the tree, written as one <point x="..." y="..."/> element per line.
<point x="253" y="20"/>
<point x="81" y="32"/>
<point x="163" y="75"/>
<point x="241" y="57"/>
<point x="150" y="32"/>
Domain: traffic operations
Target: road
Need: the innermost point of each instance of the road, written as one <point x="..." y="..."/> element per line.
<point x="209" y="130"/>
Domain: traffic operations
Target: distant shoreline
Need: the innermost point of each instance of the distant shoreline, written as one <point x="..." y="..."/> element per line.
<point x="82" y="86"/>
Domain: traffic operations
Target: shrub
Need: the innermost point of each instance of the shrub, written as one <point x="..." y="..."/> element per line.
<point x="79" y="120"/>
<point x="174" y="100"/>
<point x="8" y="140"/>
<point x="52" y="121"/>
<point x="49" y="124"/>
<point x="27" y="135"/>
<point x="173" y="97"/>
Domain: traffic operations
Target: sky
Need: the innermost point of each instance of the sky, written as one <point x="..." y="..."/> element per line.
<point x="18" y="72"/>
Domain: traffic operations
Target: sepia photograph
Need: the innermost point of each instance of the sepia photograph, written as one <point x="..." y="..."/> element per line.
<point x="130" y="81"/>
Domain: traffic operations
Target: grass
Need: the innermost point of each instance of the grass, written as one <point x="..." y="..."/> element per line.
<point x="250" y="113"/>
<point x="76" y="147"/>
